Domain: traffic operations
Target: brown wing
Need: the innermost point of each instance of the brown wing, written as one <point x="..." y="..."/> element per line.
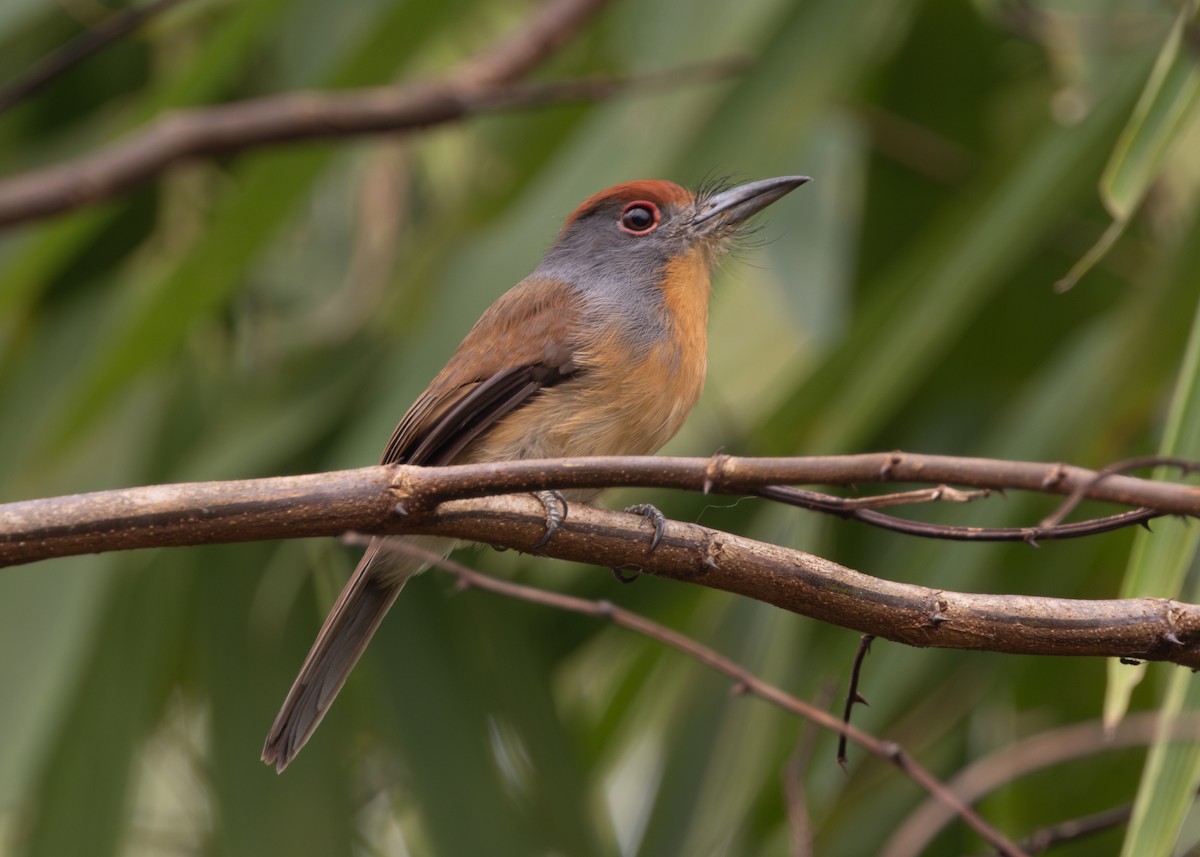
<point x="523" y="344"/>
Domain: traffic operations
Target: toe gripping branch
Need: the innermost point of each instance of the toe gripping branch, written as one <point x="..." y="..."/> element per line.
<point x="652" y="514"/>
<point x="555" y="506"/>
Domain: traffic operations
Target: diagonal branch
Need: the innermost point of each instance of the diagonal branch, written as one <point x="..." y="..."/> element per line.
<point x="746" y="682"/>
<point x="485" y="83"/>
<point x="62" y="60"/>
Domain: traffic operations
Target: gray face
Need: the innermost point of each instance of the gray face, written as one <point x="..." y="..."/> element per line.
<point x="618" y="271"/>
<point x="596" y="252"/>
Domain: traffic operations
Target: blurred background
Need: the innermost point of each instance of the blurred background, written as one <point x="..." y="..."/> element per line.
<point x="276" y="311"/>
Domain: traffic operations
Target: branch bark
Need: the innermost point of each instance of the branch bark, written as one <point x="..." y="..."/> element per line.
<point x="417" y="500"/>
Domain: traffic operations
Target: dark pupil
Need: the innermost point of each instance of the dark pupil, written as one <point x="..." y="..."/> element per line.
<point x="638" y="218"/>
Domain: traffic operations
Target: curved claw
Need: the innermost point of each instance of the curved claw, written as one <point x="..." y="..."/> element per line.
<point x="652" y="514"/>
<point x="555" y="505"/>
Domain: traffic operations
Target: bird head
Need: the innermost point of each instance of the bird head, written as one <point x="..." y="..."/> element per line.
<point x="631" y="233"/>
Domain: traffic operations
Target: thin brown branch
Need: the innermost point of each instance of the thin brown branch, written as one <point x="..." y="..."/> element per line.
<point x="795" y="794"/>
<point x="1075" y="829"/>
<point x="854" y="511"/>
<point x="408" y="500"/>
<point x="486" y="83"/>
<point x="66" y="57"/>
<point x="744" y="680"/>
<point x="1032" y="754"/>
<point x="1142" y="462"/>
<point x="515" y="55"/>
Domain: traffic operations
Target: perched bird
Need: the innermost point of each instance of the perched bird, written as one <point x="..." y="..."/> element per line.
<point x="600" y="351"/>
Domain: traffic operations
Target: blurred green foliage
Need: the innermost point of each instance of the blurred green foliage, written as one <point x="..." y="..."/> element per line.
<point x="275" y="312"/>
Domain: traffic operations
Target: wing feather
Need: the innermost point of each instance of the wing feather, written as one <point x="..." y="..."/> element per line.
<point x="523" y="344"/>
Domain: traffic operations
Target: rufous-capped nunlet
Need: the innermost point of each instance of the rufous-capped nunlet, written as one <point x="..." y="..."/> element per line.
<point x="600" y="351"/>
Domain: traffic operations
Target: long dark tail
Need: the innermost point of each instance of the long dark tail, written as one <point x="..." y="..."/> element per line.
<point x="352" y="622"/>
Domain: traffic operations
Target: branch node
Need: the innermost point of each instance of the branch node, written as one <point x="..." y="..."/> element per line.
<point x="936" y="616"/>
<point x="714" y="471"/>
<point x="1055" y="477"/>
<point x="893" y="460"/>
<point x="711" y="551"/>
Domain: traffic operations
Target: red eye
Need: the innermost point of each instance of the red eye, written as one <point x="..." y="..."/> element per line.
<point x="639" y="218"/>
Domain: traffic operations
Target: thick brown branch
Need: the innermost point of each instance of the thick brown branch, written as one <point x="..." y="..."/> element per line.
<point x="405" y="500"/>
<point x="331" y="503"/>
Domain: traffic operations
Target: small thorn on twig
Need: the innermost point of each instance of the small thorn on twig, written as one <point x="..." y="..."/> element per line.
<point x="1131" y="662"/>
<point x="400" y="509"/>
<point x="712" y="472"/>
<point x="937" y="611"/>
<point x="622" y="577"/>
<point x="853" y="697"/>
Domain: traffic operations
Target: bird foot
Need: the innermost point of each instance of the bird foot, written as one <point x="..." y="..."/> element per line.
<point x="654" y="516"/>
<point x="555" y="505"/>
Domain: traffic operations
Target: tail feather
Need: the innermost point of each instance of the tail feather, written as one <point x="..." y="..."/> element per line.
<point x="352" y="622"/>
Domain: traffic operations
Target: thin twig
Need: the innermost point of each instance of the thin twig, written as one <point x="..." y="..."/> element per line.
<point x="1006" y="764"/>
<point x="743" y="679"/>
<point x="1141" y="462"/>
<point x="853" y="697"/>
<point x="795" y="794"/>
<point x="66" y="57"/>
<point x="1075" y="829"/>
<point x="829" y="504"/>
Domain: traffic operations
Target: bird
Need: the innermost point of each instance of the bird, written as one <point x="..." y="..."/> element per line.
<point x="601" y="350"/>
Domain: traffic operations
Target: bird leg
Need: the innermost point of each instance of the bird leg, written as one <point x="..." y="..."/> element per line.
<point x="555" y="505"/>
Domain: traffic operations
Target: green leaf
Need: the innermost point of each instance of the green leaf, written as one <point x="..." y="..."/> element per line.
<point x="1156" y="568"/>
<point x="1166" y="109"/>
